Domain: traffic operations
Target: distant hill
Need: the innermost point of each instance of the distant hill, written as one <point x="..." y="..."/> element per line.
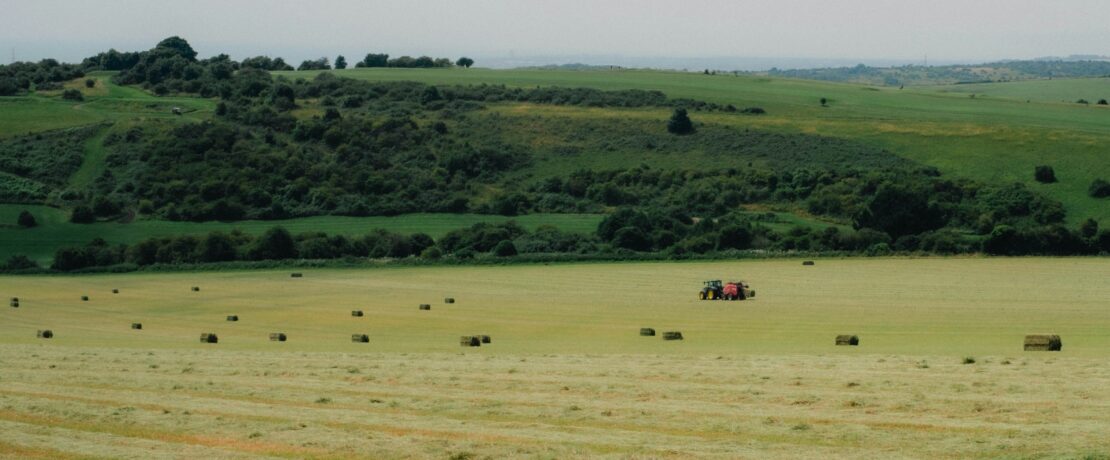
<point x="954" y="74"/>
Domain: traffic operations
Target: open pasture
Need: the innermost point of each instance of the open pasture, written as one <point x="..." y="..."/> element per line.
<point x="939" y="371"/>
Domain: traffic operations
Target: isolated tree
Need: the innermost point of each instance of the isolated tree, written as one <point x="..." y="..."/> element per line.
<point x="90" y="83"/>
<point x="680" y="123"/>
<point x="824" y="101"/>
<point x="464" y="62"/>
<point x="26" y="219"/>
<point x="1044" y="174"/>
<point x="1102" y="102"/>
<point x="72" y="95"/>
<point x="340" y="62"/>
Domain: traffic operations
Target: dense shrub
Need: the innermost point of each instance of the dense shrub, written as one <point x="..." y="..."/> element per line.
<point x="1099" y="189"/>
<point x="1044" y="174"/>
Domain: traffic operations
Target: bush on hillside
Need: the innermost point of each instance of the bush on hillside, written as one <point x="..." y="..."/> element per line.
<point x="1099" y="189"/>
<point x="26" y="219"/>
<point x="1044" y="174"/>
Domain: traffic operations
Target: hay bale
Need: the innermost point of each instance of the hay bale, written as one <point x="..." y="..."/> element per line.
<point x="84" y="298"/>
<point x="196" y="288"/>
<point x="647" y="332"/>
<point x="209" y="337"/>
<point x="847" y="340"/>
<point x="136" y="326"/>
<point x="356" y="313"/>
<point x="360" y="338"/>
<point x="46" y="334"/>
<point x="484" y="338"/>
<point x="115" y="291"/>
<point x="233" y="318"/>
<point x="277" y="337"/>
<point x="470" y="341"/>
<point x="1043" y="342"/>
<point x="672" y="335"/>
<point x="14" y="304"/>
<point x="15" y="299"/>
<point x="449" y="300"/>
<point x="425" y="306"/>
<point x="296" y="275"/>
<point x="808" y="262"/>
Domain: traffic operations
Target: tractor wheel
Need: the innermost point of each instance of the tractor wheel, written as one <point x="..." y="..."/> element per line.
<point x="701" y="295"/>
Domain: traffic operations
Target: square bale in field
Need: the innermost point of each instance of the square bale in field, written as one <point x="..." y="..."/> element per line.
<point x="425" y="306"/>
<point x="672" y="335"/>
<point x="647" y="332"/>
<point x="137" y="326"/>
<point x="233" y="318"/>
<point x="278" y="337"/>
<point x="357" y="313"/>
<point x="15" y="299"/>
<point x="449" y="300"/>
<point x="209" y="337"/>
<point x="115" y="291"/>
<point x="484" y="338"/>
<point x="470" y="341"/>
<point x="196" y="288"/>
<point x="808" y="263"/>
<point x="14" y="304"/>
<point x="45" y="334"/>
<point x="360" y="338"/>
<point x="84" y="298"/>
<point x="847" y="340"/>
<point x="296" y="275"/>
<point x="1043" y="342"/>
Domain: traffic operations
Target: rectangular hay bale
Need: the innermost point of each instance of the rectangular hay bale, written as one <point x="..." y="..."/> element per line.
<point x="296" y="275"/>
<point x="233" y="318"/>
<point x="14" y="304"/>
<point x="647" y="332"/>
<point x="425" y="306"/>
<point x="449" y="300"/>
<point x="277" y="337"/>
<point x="360" y="338"/>
<point x="84" y="298"/>
<point x="672" y="335"/>
<point x="848" y="340"/>
<point x="45" y="334"/>
<point x="136" y="326"/>
<point x="1043" y="342"/>
<point x="356" y="313"/>
<point x="808" y="262"/>
<point x="196" y="288"/>
<point x="209" y="337"/>
<point x="470" y="341"/>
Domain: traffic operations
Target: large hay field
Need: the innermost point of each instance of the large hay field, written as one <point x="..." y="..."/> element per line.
<point x="939" y="372"/>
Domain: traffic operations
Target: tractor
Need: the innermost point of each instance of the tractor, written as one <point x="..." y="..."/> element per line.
<point x="732" y="290"/>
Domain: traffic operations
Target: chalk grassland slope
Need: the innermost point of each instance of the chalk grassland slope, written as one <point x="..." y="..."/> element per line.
<point x="55" y="231"/>
<point x="106" y="101"/>
<point x="991" y="139"/>
<point x="1062" y="91"/>
<point x="566" y="375"/>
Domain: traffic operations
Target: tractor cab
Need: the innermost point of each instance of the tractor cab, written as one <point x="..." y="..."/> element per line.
<point x="713" y="290"/>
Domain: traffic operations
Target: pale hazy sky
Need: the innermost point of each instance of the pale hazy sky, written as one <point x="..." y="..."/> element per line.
<point x="946" y="30"/>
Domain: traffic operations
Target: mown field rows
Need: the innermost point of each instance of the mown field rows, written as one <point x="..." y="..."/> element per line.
<point x="566" y="374"/>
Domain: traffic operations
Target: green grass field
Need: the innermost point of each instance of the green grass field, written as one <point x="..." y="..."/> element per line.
<point x="55" y="231"/>
<point x="566" y="374"/>
<point x="995" y="139"/>
<point x="104" y="102"/>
